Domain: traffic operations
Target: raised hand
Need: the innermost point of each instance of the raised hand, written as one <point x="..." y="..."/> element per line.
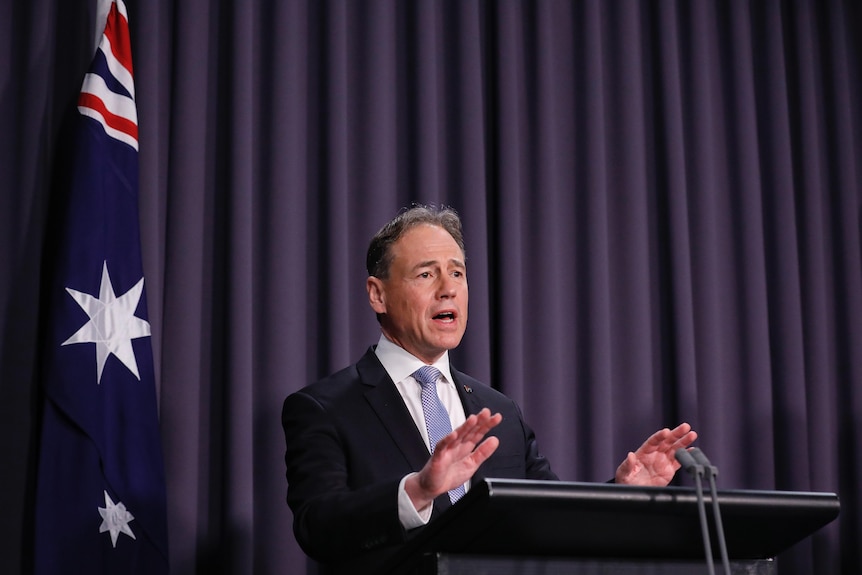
<point x="654" y="462"/>
<point x="456" y="458"/>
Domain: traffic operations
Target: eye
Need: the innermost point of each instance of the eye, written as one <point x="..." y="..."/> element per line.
<point x="425" y="275"/>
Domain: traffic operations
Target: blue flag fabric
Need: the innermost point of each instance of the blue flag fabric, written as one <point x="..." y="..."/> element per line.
<point x="100" y="494"/>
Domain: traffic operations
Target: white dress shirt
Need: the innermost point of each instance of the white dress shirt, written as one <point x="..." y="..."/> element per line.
<point x="400" y="365"/>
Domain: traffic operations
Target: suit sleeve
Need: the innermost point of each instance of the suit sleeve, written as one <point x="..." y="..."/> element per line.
<point x="538" y="466"/>
<point x="332" y="521"/>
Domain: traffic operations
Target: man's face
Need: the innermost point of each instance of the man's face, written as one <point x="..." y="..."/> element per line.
<point x="424" y="299"/>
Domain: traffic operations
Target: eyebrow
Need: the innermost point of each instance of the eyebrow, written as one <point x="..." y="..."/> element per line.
<point x="430" y="263"/>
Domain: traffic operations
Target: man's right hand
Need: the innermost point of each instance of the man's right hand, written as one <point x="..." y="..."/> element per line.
<point x="456" y="458"/>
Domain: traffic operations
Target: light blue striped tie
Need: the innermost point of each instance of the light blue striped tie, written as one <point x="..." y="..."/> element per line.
<point x="436" y="417"/>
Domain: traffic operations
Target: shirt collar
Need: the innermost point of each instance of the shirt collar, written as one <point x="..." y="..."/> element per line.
<point x="400" y="363"/>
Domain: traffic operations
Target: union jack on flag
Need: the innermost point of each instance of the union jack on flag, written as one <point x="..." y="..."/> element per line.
<point x="108" y="93"/>
<point x="100" y="493"/>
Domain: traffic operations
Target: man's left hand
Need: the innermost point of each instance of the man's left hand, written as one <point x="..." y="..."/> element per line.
<point x="654" y="462"/>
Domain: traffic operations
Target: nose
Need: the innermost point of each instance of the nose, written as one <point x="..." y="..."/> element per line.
<point x="447" y="286"/>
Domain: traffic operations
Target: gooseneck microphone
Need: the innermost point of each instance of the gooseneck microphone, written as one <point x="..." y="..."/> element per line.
<point x="711" y="471"/>
<point x="696" y="470"/>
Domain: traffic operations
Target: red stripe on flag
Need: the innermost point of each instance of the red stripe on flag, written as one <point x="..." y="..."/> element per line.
<point x="117" y="31"/>
<point x="118" y="123"/>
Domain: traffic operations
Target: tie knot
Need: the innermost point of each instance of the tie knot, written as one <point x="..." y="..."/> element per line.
<point x="427" y="375"/>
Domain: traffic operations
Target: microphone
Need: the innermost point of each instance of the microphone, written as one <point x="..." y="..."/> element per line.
<point x="687" y="461"/>
<point x="712" y="472"/>
<point x="696" y="470"/>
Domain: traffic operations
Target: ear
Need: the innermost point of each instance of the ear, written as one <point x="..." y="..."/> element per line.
<point x="376" y="294"/>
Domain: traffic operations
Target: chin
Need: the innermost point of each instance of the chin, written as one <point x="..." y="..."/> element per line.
<point x="450" y="343"/>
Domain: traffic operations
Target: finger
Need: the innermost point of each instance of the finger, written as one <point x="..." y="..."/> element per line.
<point x="481" y="422"/>
<point x="472" y="423"/>
<point x="628" y="468"/>
<point x="672" y="439"/>
<point x="461" y="442"/>
<point x="685" y="440"/>
<point x="468" y="441"/>
<point x="467" y="435"/>
<point x="655" y="441"/>
<point x="484" y="450"/>
<point x="485" y="420"/>
<point x="488" y="422"/>
<point x="484" y="425"/>
<point x="681" y="430"/>
<point x="474" y="420"/>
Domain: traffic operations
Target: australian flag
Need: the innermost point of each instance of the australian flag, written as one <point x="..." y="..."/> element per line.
<point x="100" y="495"/>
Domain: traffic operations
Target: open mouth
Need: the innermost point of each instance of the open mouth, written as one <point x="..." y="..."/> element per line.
<point x="446" y="316"/>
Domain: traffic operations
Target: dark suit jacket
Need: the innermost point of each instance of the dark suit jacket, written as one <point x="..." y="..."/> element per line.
<point x="350" y="440"/>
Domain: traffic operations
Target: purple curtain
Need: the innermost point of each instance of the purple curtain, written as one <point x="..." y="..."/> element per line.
<point x="662" y="203"/>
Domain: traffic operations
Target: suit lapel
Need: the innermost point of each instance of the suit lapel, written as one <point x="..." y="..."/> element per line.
<point x="472" y="404"/>
<point x="384" y="399"/>
<point x="469" y="400"/>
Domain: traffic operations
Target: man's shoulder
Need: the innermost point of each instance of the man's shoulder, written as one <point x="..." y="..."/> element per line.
<point x="342" y="377"/>
<point x="348" y="379"/>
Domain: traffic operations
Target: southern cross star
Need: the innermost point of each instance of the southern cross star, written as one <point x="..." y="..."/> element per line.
<point x="115" y="519"/>
<point x="113" y="324"/>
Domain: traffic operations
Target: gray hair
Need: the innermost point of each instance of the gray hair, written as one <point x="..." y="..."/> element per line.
<point x="379" y="257"/>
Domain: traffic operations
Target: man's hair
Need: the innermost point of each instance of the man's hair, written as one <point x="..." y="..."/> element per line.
<point x="379" y="257"/>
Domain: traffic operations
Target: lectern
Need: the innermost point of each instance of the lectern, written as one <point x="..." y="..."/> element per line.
<point x="522" y="527"/>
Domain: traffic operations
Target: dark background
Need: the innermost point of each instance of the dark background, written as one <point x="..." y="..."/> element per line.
<point x="662" y="212"/>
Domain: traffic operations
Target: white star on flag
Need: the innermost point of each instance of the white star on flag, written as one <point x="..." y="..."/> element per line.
<point x="113" y="324"/>
<point x="115" y="518"/>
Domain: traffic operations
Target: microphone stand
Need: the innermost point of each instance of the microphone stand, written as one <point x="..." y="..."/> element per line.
<point x="696" y="470"/>
<point x="712" y="472"/>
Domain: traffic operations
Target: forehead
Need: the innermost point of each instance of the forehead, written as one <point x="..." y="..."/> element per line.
<point x="427" y="242"/>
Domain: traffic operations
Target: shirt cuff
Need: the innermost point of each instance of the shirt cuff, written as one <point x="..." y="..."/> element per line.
<point x="408" y="515"/>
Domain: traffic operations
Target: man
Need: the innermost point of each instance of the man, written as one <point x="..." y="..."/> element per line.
<point x="365" y="465"/>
